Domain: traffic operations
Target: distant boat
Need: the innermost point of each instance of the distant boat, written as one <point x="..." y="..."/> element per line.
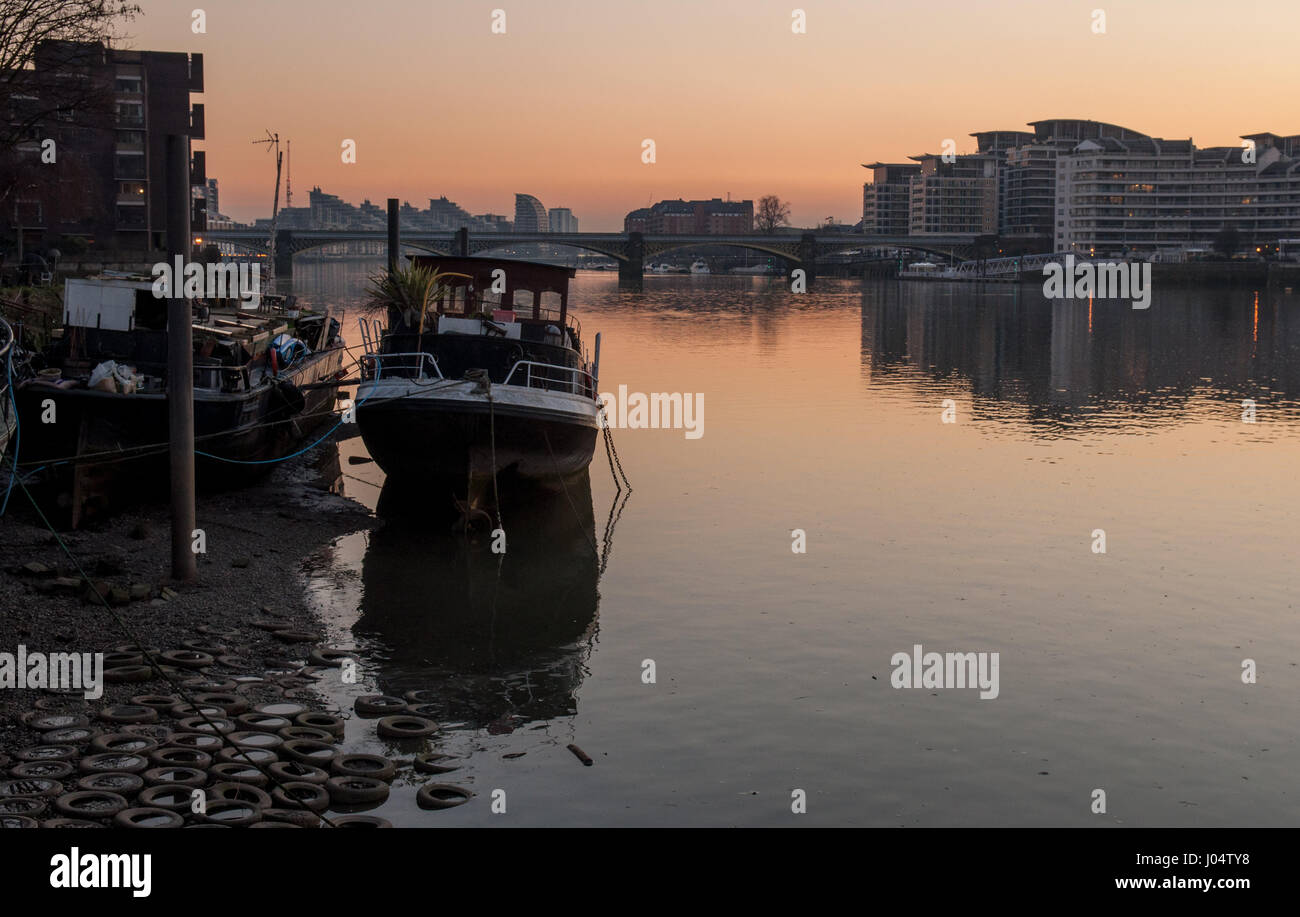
<point x="656" y="269"/>
<point x="752" y="269"/>
<point x="481" y="388"/>
<point x="700" y="267"/>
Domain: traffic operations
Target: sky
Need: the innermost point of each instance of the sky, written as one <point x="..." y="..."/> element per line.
<point x="736" y="101"/>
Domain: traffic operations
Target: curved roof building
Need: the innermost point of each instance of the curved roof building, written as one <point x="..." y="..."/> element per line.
<point x="530" y="215"/>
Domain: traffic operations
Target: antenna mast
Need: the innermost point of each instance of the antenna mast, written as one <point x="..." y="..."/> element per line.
<point x="272" y="142"/>
<point x="288" y="173"/>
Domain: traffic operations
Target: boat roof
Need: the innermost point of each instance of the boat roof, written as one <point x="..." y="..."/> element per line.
<point x="536" y="276"/>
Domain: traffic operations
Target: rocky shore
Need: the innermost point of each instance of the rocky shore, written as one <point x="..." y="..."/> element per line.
<point x="256" y="541"/>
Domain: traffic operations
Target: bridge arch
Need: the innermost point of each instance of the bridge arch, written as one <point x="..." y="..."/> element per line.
<point x="480" y="244"/>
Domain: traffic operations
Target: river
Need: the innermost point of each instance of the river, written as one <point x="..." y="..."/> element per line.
<point x="773" y="670"/>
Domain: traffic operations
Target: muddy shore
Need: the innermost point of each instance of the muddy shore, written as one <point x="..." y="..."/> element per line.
<point x="257" y="539"/>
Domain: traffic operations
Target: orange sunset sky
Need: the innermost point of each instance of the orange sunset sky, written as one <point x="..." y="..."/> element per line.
<point x="735" y="101"/>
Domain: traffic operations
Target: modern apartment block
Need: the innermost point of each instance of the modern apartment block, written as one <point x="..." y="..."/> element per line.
<point x="530" y="215"/>
<point x="957" y="196"/>
<point x="711" y="217"/>
<point x="1148" y="195"/>
<point x="886" y="199"/>
<point x="108" y="184"/>
<point x="562" y="220"/>
<point x="1093" y="186"/>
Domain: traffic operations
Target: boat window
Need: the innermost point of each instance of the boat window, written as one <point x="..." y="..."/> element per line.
<point x="550" y="302"/>
<point x="150" y="311"/>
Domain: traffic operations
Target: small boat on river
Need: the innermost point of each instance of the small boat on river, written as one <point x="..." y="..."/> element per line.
<point x="93" y="408"/>
<point x="488" y="383"/>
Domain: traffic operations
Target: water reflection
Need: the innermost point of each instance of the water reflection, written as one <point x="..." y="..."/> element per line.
<point x="500" y="639"/>
<point x="1065" y="363"/>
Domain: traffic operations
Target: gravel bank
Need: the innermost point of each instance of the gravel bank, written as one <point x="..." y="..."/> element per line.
<point x="257" y="539"/>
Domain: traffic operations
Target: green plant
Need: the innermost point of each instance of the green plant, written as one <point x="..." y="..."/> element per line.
<point x="407" y="294"/>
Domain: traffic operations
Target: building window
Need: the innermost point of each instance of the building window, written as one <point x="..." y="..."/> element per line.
<point x="130" y="113"/>
<point x="131" y="217"/>
<point x="129" y="166"/>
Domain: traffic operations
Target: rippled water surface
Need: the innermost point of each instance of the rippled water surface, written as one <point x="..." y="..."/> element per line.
<point x="1120" y="671"/>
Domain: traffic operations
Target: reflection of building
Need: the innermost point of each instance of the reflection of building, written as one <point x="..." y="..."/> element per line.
<point x="711" y="217"/>
<point x="1092" y="363"/>
<point x="562" y="220"/>
<point x="109" y="112"/>
<point x="530" y="215"/>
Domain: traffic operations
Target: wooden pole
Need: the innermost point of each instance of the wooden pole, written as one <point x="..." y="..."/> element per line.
<point x="180" y="364"/>
<point x="394" y="236"/>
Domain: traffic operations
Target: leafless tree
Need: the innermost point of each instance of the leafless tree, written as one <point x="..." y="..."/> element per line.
<point x="63" y="87"/>
<point x="772" y="213"/>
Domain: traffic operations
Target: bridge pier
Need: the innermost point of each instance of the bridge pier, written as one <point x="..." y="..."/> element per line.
<point x="283" y="254"/>
<point x="631" y="268"/>
<point x="808" y="258"/>
<point x="460" y="243"/>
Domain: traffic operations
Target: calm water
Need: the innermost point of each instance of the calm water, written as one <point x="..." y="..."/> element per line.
<point x="1119" y="671"/>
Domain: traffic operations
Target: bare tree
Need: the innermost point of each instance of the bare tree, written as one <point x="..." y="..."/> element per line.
<point x="24" y="26"/>
<point x="65" y="38"/>
<point x="772" y="213"/>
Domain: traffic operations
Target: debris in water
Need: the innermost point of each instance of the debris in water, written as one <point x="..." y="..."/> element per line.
<point x="581" y="755"/>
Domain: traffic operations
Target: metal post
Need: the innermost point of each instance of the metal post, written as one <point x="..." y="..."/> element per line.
<point x="180" y="364"/>
<point x="394" y="236"/>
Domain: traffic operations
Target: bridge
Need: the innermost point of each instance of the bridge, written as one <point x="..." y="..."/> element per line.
<point x="630" y="249"/>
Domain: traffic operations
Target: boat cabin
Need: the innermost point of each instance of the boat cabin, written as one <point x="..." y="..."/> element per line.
<point x="491" y="314"/>
<point x="121" y="318"/>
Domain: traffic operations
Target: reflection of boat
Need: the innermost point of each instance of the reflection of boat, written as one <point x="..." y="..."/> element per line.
<point x="489" y="635"/>
<point x="8" y="418"/>
<point x="481" y="388"/>
<point x="699" y="267"/>
<point x="105" y="385"/>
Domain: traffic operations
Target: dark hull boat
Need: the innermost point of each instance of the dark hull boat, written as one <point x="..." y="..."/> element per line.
<point x="96" y="419"/>
<point x="483" y="387"/>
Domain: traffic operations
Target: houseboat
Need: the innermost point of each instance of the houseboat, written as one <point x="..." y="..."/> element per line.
<point x="486" y="383"/>
<point x="94" y="412"/>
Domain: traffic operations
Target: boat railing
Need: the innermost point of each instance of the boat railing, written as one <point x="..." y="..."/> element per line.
<point x="411" y="365"/>
<point x="6" y="370"/>
<point x="553" y="377"/>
